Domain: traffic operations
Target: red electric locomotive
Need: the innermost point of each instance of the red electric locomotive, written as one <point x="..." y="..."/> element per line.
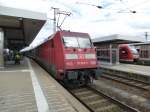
<point x="69" y="56"/>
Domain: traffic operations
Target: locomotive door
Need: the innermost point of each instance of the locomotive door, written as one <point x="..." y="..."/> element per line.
<point x="52" y="58"/>
<point x="52" y="52"/>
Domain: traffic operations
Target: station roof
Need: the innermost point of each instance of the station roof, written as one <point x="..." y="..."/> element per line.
<point x="15" y="12"/>
<point x="118" y="39"/>
<point x="20" y="26"/>
<point x="143" y="43"/>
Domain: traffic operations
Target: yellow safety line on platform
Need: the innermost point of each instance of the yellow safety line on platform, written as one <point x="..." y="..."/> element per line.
<point x="41" y="101"/>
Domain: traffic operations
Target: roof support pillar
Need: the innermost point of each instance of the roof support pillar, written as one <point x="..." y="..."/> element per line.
<point x="117" y="55"/>
<point x="1" y="48"/>
<point x="110" y="47"/>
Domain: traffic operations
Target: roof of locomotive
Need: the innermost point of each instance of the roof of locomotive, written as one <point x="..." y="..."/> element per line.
<point x="70" y="33"/>
<point x="64" y="32"/>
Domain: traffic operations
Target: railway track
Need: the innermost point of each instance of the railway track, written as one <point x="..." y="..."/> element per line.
<point x="97" y="101"/>
<point x="140" y="62"/>
<point x="130" y="82"/>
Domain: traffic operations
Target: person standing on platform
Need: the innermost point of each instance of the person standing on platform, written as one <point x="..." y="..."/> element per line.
<point x="17" y="58"/>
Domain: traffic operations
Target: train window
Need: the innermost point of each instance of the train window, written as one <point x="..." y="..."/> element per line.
<point x="133" y="50"/>
<point x="77" y="42"/>
<point x="84" y="42"/>
<point x="70" y="42"/>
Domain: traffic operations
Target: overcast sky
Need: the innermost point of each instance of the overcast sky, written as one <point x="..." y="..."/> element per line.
<point x="114" y="18"/>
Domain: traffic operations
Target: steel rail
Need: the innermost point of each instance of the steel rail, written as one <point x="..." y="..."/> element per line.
<point x="119" y="104"/>
<point x="130" y="82"/>
<point x="126" y="77"/>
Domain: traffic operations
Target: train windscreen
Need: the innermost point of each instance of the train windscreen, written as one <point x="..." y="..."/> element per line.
<point x="133" y="50"/>
<point x="84" y="42"/>
<point x="71" y="42"/>
<point x="77" y="42"/>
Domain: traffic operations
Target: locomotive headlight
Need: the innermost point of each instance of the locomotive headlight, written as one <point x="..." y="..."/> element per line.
<point x="90" y="56"/>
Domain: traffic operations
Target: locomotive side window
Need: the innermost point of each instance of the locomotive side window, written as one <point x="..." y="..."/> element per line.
<point x="70" y="42"/>
<point x="84" y="42"/>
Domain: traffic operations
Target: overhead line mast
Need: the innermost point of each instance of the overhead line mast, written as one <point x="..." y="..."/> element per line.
<point x="56" y="21"/>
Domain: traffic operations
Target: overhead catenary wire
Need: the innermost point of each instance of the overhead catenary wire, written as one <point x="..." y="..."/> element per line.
<point x="56" y="20"/>
<point x="116" y="10"/>
<point x="135" y="6"/>
<point x="132" y="11"/>
<point x="63" y="13"/>
<point x="100" y="7"/>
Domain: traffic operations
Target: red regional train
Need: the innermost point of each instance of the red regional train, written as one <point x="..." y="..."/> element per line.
<point x="69" y="56"/>
<point x="128" y="53"/>
<point x="144" y="52"/>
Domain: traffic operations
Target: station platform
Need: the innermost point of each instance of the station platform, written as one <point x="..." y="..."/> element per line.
<point x="29" y="88"/>
<point x="138" y="72"/>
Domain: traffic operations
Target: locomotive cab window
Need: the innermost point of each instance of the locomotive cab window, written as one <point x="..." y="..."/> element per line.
<point x="84" y="42"/>
<point x="70" y="42"/>
<point x="77" y="42"/>
<point x="133" y="50"/>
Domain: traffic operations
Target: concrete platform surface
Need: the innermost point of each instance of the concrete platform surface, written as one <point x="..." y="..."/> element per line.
<point x="139" y="69"/>
<point x="29" y="88"/>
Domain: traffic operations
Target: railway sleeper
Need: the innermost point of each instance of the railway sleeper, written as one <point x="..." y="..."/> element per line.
<point x="128" y="81"/>
<point x="126" y="74"/>
<point x="92" y="96"/>
<point x="79" y="90"/>
<point x="97" y="101"/>
<point x="92" y="99"/>
<point x="83" y="93"/>
<point x="102" y="103"/>
<point x="109" y="108"/>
